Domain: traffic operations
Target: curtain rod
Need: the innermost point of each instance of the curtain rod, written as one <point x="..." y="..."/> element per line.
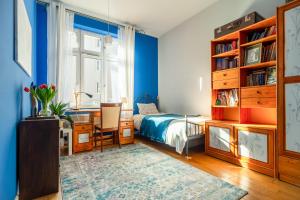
<point x="89" y="15"/>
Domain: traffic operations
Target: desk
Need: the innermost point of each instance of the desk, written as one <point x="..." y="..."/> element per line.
<point x="83" y="129"/>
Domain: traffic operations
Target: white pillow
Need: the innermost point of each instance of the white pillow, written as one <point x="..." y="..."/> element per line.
<point x="147" y="108"/>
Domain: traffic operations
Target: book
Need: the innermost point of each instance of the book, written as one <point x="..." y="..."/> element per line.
<point x="224" y="47"/>
<point x="255" y="35"/>
<point x="227" y="97"/>
<point x="226" y="63"/>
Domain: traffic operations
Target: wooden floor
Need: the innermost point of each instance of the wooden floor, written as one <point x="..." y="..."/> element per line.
<point x="258" y="186"/>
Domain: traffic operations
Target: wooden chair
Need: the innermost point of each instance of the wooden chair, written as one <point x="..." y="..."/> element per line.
<point x="110" y="124"/>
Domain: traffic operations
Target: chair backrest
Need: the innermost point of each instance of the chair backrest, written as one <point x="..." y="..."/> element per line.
<point x="110" y="115"/>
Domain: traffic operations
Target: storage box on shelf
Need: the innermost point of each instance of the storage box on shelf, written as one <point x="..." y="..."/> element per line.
<point x="251" y="119"/>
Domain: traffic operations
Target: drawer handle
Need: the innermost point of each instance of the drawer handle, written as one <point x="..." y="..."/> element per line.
<point x="224" y="83"/>
<point x="258" y="92"/>
<point x="258" y="102"/>
<point x="224" y="74"/>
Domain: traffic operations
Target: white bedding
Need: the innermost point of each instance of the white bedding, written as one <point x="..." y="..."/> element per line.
<point x="176" y="134"/>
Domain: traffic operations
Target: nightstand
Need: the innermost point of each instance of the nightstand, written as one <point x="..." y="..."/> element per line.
<point x="126" y="131"/>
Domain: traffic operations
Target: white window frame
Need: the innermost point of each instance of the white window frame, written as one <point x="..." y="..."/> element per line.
<point x="81" y="53"/>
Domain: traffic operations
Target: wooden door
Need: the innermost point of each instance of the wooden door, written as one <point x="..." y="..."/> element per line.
<point x="288" y="17"/>
<point x="219" y="141"/>
<point x="255" y="149"/>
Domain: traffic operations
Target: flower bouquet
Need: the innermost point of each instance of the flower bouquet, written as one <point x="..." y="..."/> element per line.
<point x="44" y="94"/>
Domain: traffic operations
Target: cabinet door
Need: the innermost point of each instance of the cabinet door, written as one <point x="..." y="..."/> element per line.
<point x="255" y="149"/>
<point x="289" y="92"/>
<point x="127" y="135"/>
<point x="220" y="140"/>
<point x="82" y="140"/>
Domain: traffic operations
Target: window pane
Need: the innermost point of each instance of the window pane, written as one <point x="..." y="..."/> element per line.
<point x="92" y="43"/>
<point x="91" y="81"/>
<point x="73" y="78"/>
<point x="113" y="82"/>
<point x="111" y="50"/>
<point x="75" y="39"/>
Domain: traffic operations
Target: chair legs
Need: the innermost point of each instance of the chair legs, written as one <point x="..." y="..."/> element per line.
<point x="115" y="138"/>
<point x="118" y="132"/>
<point x="101" y="136"/>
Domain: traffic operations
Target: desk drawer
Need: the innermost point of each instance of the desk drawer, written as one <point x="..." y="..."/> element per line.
<point x="262" y="91"/>
<point x="126" y="123"/>
<point x="83" y="127"/>
<point x="226" y="84"/>
<point x="258" y="103"/>
<point x="226" y="74"/>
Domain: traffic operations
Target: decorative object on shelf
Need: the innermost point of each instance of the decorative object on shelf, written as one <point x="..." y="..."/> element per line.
<point x="271" y="75"/>
<point x="227" y="98"/>
<point x="240" y="23"/>
<point x="44" y="94"/>
<point x="76" y="98"/>
<point x="253" y="54"/>
<point x="33" y="98"/>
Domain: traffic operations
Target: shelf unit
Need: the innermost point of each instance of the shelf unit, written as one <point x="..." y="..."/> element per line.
<point x="255" y="114"/>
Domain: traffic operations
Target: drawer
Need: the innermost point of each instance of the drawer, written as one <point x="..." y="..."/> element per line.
<point x="267" y="91"/>
<point x="226" y="84"/>
<point x="83" y="127"/>
<point x="258" y="102"/>
<point x="126" y="123"/>
<point x="226" y="74"/>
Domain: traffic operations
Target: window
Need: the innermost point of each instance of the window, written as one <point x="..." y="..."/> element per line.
<point x="97" y="68"/>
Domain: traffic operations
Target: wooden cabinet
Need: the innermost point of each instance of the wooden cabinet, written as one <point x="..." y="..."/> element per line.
<point x="247" y="145"/>
<point x="226" y="74"/>
<point x="258" y="97"/>
<point x="219" y="140"/>
<point x="256" y="149"/>
<point x="127" y="132"/>
<point x="82" y="137"/>
<point x="38" y="154"/>
<point x="226" y="84"/>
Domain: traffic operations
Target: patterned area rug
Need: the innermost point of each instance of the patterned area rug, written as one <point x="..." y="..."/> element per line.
<point x="138" y="172"/>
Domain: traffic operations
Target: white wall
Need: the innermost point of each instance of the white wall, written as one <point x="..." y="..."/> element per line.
<point x="184" y="55"/>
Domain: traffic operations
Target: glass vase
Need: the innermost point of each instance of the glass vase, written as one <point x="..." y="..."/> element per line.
<point x="45" y="111"/>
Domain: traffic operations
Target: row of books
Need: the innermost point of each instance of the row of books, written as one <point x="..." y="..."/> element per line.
<point x="268" y="52"/>
<point x="224" y="47"/>
<point x="265" y="76"/>
<point x="226" y="63"/>
<point x="256" y="35"/>
<point x="227" y="97"/>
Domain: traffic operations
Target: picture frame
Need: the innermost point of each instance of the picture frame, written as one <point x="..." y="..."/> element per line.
<point x="22" y="37"/>
<point x="253" y="54"/>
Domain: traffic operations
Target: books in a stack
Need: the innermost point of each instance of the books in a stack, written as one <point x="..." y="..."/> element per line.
<point x="268" y="52"/>
<point x="227" y="97"/>
<point x="226" y="63"/>
<point x="265" y="76"/>
<point x="256" y="35"/>
<point x="224" y="47"/>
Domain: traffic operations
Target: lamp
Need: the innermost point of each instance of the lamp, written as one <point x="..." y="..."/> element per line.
<point x="76" y="98"/>
<point x="108" y="38"/>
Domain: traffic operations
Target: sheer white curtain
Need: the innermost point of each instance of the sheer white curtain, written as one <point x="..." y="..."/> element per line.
<point x="60" y="59"/>
<point x="126" y="36"/>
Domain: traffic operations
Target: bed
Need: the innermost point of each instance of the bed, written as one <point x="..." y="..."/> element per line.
<point x="175" y="130"/>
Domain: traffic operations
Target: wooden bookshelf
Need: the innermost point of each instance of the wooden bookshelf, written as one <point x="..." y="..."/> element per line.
<point x="234" y="52"/>
<point x="262" y="40"/>
<point x="260" y="65"/>
<point x="255" y="111"/>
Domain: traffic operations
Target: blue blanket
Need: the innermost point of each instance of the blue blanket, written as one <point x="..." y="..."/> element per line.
<point x="155" y="126"/>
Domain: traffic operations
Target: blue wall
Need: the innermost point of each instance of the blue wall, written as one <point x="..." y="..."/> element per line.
<point x="145" y="66"/>
<point x="146" y="53"/>
<point x="14" y="103"/>
<point x="41" y="30"/>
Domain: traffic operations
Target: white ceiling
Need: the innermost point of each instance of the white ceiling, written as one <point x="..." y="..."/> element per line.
<point x="155" y="17"/>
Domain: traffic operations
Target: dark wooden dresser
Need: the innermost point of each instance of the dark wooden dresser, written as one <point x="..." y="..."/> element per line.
<point x="38" y="156"/>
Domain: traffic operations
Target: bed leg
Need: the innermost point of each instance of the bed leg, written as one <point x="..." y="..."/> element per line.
<point x="187" y="142"/>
